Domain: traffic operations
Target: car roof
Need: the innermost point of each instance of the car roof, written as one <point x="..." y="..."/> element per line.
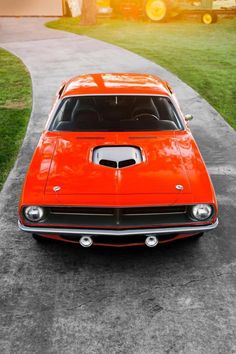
<point x="115" y="83"/>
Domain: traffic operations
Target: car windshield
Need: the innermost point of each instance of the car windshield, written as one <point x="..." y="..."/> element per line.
<point x="116" y="113"/>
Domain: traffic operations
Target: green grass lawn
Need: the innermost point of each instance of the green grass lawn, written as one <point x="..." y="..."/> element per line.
<point x="15" y="107"/>
<point x="202" y="56"/>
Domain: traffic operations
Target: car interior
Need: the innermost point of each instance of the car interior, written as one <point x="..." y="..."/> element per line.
<point x="116" y="113"/>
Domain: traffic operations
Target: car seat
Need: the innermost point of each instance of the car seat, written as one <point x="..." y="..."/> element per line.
<point x="84" y="116"/>
<point x="144" y="105"/>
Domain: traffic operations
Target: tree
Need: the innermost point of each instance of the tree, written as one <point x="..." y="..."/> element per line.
<point x="89" y="12"/>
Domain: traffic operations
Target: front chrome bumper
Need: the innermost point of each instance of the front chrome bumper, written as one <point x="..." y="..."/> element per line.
<point x="160" y="231"/>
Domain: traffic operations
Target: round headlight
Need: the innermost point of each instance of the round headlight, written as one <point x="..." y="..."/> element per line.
<point x="201" y="211"/>
<point x="34" y="213"/>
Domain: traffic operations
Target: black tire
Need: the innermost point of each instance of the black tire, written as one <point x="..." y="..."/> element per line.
<point x="209" y="17"/>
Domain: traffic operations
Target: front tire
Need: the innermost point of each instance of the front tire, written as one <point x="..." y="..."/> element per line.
<point x="156" y="10"/>
<point x="208" y="18"/>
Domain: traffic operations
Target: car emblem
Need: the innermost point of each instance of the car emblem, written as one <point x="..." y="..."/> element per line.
<point x="179" y="187"/>
<point x="56" y="188"/>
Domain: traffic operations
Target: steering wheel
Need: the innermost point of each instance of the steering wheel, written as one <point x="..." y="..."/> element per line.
<point x="138" y="116"/>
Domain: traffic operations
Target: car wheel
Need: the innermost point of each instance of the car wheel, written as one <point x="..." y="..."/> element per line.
<point x="208" y="18"/>
<point x="40" y="239"/>
<point x="156" y="10"/>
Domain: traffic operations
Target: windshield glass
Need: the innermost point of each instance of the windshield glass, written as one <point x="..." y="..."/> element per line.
<point x="116" y="113"/>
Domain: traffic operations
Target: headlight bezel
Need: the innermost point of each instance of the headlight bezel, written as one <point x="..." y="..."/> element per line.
<point x="34" y="219"/>
<point x="192" y="212"/>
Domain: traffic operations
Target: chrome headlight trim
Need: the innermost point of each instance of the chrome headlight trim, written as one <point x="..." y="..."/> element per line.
<point x="34" y="213"/>
<point x="201" y="212"/>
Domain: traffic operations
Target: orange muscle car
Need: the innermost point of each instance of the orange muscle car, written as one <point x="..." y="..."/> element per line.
<point x="117" y="166"/>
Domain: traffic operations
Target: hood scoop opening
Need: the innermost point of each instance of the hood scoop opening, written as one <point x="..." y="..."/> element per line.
<point x="117" y="156"/>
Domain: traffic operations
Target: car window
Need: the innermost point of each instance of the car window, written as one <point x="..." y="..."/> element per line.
<point x="116" y="113"/>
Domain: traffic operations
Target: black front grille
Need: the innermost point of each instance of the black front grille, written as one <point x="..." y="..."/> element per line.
<point x="155" y="210"/>
<point x="80" y="211"/>
<point x="116" y="218"/>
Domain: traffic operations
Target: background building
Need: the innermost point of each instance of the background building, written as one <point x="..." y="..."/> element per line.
<point x="32" y="7"/>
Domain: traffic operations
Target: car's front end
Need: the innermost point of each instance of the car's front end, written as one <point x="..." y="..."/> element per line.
<point x="122" y="170"/>
<point x="117" y="227"/>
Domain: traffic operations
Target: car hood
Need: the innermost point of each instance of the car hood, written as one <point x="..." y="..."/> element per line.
<point x="72" y="170"/>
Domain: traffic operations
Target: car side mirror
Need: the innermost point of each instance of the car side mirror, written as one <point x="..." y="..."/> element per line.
<point x="188" y="117"/>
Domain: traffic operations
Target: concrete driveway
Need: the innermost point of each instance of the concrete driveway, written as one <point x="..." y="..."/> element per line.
<point x="57" y="298"/>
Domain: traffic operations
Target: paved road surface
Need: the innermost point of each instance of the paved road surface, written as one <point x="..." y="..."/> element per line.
<point x="64" y="299"/>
